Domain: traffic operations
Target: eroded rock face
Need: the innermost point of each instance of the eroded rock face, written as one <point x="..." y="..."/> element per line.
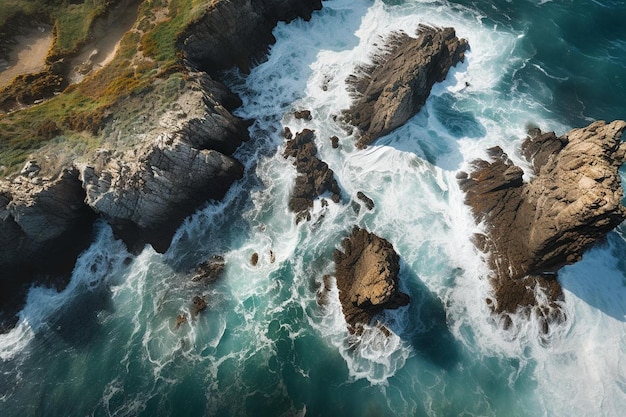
<point x="237" y="32"/>
<point x="535" y="228"/>
<point x="314" y="176"/>
<point x="146" y="193"/>
<point x="44" y="225"/>
<point x="396" y="86"/>
<point x="367" y="277"/>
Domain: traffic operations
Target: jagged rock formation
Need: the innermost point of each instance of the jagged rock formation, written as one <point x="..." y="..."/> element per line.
<point x="146" y="192"/>
<point x="44" y="225"/>
<point x="367" y="277"/>
<point x="535" y="228"/>
<point x="238" y="32"/>
<point x="396" y="85"/>
<point x="314" y="176"/>
<point x="369" y="203"/>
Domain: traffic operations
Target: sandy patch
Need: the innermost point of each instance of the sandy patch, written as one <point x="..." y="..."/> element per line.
<point x="108" y="34"/>
<point x="28" y="55"/>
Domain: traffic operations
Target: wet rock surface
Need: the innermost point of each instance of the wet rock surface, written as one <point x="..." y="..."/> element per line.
<point x="535" y="228"/>
<point x="238" y="32"/>
<point x="210" y="270"/>
<point x="314" y="176"/>
<point x="396" y="85"/>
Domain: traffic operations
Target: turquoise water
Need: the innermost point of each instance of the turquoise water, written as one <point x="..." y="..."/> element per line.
<point x="108" y="345"/>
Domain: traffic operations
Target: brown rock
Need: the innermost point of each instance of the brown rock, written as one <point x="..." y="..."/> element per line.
<point x="396" y="85"/>
<point x="369" y="203"/>
<point x="538" y="227"/>
<point x="367" y="277"/>
<point x="199" y="304"/>
<point x="254" y="259"/>
<point x="303" y="114"/>
<point x="209" y="271"/>
<point x="180" y="320"/>
<point x="334" y="140"/>
<point x="314" y="176"/>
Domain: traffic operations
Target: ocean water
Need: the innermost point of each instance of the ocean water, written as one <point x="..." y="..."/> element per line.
<point x="108" y="345"/>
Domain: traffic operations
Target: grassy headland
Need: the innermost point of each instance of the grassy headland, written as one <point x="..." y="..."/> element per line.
<point x="146" y="59"/>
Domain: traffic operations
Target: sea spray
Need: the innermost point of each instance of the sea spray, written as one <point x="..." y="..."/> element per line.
<point x="263" y="346"/>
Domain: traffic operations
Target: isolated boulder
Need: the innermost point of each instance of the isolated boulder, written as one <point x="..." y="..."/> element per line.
<point x="367" y="277"/>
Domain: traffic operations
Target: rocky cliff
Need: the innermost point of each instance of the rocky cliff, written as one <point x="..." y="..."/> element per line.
<point x="237" y="33"/>
<point x="367" y="277"/>
<point x="535" y="228"/>
<point x="146" y="191"/>
<point x="396" y="85"/>
<point x="44" y="225"/>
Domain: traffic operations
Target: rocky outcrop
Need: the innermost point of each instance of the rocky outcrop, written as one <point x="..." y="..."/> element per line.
<point x="44" y="225"/>
<point x="209" y="271"/>
<point x="535" y="228"/>
<point x="237" y="32"/>
<point x="367" y="277"/>
<point x="396" y="85"/>
<point x="314" y="176"/>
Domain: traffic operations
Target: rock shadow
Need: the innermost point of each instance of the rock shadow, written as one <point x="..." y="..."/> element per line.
<point x="426" y="327"/>
<point x="599" y="278"/>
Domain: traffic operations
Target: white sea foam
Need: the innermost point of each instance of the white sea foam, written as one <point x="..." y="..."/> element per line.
<point x="245" y="344"/>
<point x="99" y="265"/>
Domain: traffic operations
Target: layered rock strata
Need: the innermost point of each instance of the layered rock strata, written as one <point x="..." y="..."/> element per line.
<point x="367" y="277"/>
<point x="535" y="228"/>
<point x="314" y="176"/>
<point x="396" y="85"/>
<point x="146" y="192"/>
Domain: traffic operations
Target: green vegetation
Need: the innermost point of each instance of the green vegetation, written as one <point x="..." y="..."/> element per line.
<point x="72" y="22"/>
<point x="160" y="42"/>
<point x="146" y="56"/>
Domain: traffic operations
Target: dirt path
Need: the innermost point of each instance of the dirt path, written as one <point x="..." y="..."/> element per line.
<point x="28" y="55"/>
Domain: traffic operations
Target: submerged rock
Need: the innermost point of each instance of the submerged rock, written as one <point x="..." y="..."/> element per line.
<point x="199" y="304"/>
<point x="536" y="228"/>
<point x="314" y="176"/>
<point x="367" y="278"/>
<point x="209" y="271"/>
<point x="396" y="85"/>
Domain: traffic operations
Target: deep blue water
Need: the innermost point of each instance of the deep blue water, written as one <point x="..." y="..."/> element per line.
<point x="108" y="345"/>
